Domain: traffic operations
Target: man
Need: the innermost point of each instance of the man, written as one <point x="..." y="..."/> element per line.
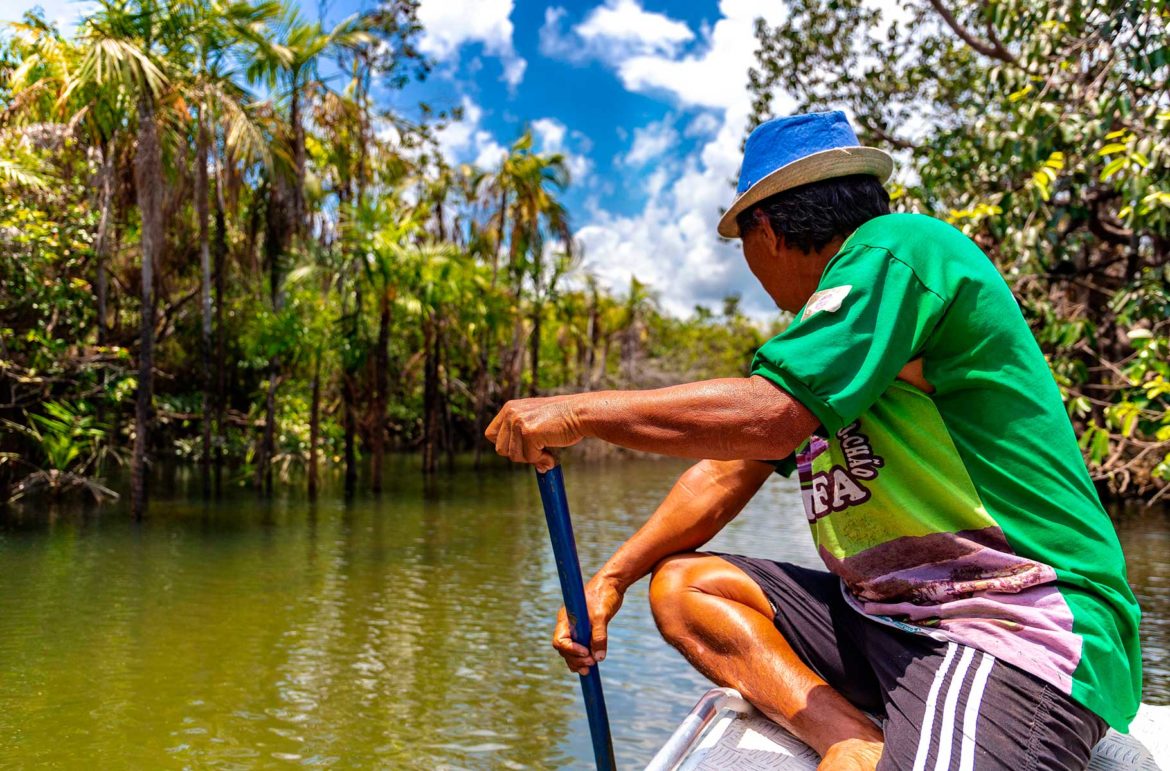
<point x="976" y="599"/>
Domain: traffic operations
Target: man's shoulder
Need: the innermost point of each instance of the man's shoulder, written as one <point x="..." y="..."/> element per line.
<point x="939" y="254"/>
<point x="907" y="232"/>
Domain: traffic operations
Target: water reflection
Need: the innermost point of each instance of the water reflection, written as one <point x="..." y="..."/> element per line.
<point x="409" y="631"/>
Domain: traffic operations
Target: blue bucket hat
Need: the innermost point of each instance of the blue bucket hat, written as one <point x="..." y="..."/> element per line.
<point x="784" y="153"/>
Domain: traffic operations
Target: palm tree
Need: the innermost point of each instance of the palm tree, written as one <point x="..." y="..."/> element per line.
<point x="640" y="301"/>
<point x="291" y="65"/>
<point x="124" y="46"/>
<point x="528" y="212"/>
<point x="216" y="32"/>
<point x="438" y="280"/>
<point x="391" y="227"/>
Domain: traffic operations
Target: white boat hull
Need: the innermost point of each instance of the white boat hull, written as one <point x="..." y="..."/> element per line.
<point x="724" y="732"/>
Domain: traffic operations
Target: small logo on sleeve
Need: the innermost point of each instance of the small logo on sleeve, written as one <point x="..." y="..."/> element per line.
<point x="827" y="300"/>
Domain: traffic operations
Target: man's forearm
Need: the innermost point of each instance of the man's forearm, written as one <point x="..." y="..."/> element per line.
<point x="725" y="419"/>
<point x="704" y="499"/>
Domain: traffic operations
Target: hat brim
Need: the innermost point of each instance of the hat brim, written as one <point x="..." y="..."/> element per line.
<point x="827" y="164"/>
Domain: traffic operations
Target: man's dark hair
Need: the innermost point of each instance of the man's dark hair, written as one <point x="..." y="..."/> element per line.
<point x="812" y="215"/>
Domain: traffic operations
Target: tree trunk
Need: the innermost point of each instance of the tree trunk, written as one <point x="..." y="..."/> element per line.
<point x="314" y="426"/>
<point x="102" y="242"/>
<point x="347" y="392"/>
<point x="264" y="473"/>
<point x="349" y="395"/>
<point x="279" y="227"/>
<point x="482" y="376"/>
<point x="513" y="360"/>
<point x="594" y="341"/>
<point x="481" y="398"/>
<point x="602" y="371"/>
<point x="448" y="420"/>
<point x="534" y="346"/>
<point x="201" y="159"/>
<point x="220" y="375"/>
<point x="148" y="181"/>
<point x="431" y="414"/>
<point x="298" y="140"/>
<point x="378" y="424"/>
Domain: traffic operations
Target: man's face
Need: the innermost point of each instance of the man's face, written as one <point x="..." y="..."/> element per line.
<point x="788" y="275"/>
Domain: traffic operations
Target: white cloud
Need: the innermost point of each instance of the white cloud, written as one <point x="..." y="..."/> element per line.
<point x="550" y="135"/>
<point x="672" y="242"/>
<point x="491" y="153"/>
<point x="465" y="141"/>
<point x="66" y="14"/>
<point x="625" y="25"/>
<point x="650" y="142"/>
<point x="615" y="31"/>
<point x="550" y="132"/>
<point x="448" y="24"/>
<point x="703" y="125"/>
<point x="554" y="42"/>
<point x="714" y="77"/>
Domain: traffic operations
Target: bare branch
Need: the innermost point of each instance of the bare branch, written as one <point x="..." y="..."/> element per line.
<point x="987" y="49"/>
<point x="883" y="135"/>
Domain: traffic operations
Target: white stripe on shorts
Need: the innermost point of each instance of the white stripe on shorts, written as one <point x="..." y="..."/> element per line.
<point x="971" y="713"/>
<point x="946" y="730"/>
<point x="928" y="715"/>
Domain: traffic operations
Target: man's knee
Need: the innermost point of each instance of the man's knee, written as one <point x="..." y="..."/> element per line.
<point x="670" y="580"/>
<point x="677" y="580"/>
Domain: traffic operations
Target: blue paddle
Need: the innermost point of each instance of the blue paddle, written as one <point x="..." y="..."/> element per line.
<point x="560" y="529"/>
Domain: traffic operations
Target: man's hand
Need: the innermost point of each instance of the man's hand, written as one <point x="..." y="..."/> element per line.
<point x="604" y="599"/>
<point x="525" y="429"/>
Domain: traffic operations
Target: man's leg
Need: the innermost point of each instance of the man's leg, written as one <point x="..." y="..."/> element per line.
<point x="719" y="618"/>
<point x="950" y="706"/>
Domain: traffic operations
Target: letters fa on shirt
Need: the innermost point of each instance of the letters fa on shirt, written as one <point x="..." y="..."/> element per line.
<point x="842" y="486"/>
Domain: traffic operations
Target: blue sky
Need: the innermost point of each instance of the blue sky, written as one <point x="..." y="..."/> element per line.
<point x="646" y="98"/>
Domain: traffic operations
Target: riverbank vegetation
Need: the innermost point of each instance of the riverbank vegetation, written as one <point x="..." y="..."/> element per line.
<point x="218" y="245"/>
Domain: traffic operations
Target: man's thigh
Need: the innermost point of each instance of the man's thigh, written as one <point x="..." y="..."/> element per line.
<point x="813" y="618"/>
<point x="949" y="706"/>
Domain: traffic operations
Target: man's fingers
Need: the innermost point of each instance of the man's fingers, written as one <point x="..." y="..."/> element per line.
<point x="546" y="461"/>
<point x="532" y="453"/>
<point x="504" y="439"/>
<point x="493" y="428"/>
<point x="564" y="643"/>
<point x="600" y="641"/>
<point x="577" y="657"/>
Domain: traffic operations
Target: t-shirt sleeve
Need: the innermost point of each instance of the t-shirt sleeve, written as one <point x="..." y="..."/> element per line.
<point x="785" y="466"/>
<point x="870" y="315"/>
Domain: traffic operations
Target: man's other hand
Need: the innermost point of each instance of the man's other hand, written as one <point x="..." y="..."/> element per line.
<point x="604" y="600"/>
<point x="525" y="429"/>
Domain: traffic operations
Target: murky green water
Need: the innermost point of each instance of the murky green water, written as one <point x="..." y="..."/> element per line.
<point x="409" y="631"/>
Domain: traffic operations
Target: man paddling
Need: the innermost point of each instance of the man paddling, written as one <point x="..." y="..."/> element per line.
<point x="975" y="597"/>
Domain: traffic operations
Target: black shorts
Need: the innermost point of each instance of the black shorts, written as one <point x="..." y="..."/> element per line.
<point x="945" y="705"/>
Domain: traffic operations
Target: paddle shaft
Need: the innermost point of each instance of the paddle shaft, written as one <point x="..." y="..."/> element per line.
<point x="560" y="530"/>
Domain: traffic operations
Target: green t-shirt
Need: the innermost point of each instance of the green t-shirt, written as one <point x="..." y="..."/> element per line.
<point x="967" y="512"/>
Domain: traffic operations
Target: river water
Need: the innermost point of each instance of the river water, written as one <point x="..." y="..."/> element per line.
<point x="408" y="631"/>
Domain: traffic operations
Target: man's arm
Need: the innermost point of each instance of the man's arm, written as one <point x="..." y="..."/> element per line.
<point x="703" y="500"/>
<point x="725" y="419"/>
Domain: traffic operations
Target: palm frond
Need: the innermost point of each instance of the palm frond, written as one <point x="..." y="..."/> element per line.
<point x="15" y="173"/>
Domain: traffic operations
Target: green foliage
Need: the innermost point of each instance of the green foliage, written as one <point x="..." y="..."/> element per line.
<point x="350" y="272"/>
<point x="71" y="445"/>
<point x="1041" y="130"/>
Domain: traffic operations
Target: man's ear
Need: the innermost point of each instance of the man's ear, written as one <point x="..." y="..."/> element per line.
<point x="772" y="240"/>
